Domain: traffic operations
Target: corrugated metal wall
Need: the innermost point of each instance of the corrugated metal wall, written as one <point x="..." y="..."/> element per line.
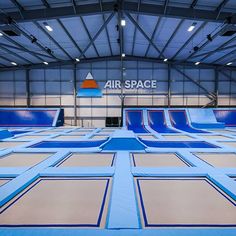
<point x="55" y="87"/>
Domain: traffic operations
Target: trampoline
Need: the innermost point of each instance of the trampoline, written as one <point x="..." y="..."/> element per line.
<point x="178" y="144"/>
<point x="30" y="137"/>
<point x="8" y="144"/>
<point x="99" y="137"/>
<point x="229" y="144"/>
<point x="22" y="159"/>
<point x="176" y="202"/>
<point x="88" y="159"/>
<point x="215" y="137"/>
<point x="157" y="160"/>
<point x="67" y="202"/>
<point x="4" y="181"/>
<point x="148" y="137"/>
<point x="68" y="137"/>
<point x="68" y="144"/>
<point x="177" y="137"/>
<point x="219" y="159"/>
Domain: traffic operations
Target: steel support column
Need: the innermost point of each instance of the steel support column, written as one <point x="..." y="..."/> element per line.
<point x="75" y="93"/>
<point x="27" y="71"/>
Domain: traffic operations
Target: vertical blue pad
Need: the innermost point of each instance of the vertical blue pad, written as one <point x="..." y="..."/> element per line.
<point x="156" y="120"/>
<point x="226" y="116"/>
<point x="179" y="120"/>
<point x="134" y="121"/>
<point x="30" y="117"/>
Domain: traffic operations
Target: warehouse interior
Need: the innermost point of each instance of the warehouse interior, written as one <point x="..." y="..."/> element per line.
<point x="127" y="99"/>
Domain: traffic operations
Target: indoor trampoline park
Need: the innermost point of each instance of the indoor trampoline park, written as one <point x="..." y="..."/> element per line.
<point x="118" y="118"/>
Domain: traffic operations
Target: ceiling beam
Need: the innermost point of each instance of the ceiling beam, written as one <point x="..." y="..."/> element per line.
<point x="135" y="29"/>
<point x="172" y="36"/>
<point x="117" y="58"/>
<point x="107" y="33"/>
<point x="53" y="40"/>
<point x="143" y="33"/>
<point x="165" y="6"/>
<point x="88" y="34"/>
<point x="221" y="7"/>
<point x="193" y="4"/>
<point x="153" y="34"/>
<point x="131" y="7"/>
<point x="220" y="47"/>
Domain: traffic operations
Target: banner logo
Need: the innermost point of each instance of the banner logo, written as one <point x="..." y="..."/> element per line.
<point x="89" y="88"/>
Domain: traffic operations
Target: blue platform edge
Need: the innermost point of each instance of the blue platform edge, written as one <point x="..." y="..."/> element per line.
<point x="5" y="134"/>
<point x="31" y="117"/>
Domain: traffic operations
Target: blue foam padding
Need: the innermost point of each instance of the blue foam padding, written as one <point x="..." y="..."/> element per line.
<point x="89" y="92"/>
<point x="123" y="144"/>
<point x="5" y="134"/>
<point x="28" y="117"/>
<point x="179" y="120"/>
<point x="121" y="232"/>
<point x="123" y="211"/>
<point x="134" y="121"/>
<point x="16" y="132"/>
<point x="68" y="144"/>
<point x="226" y="116"/>
<point x="156" y="120"/>
<point x="204" y="118"/>
<point x="178" y="144"/>
<point x="78" y="171"/>
<point x="217" y="125"/>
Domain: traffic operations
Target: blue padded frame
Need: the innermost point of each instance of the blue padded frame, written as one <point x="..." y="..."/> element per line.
<point x="117" y="222"/>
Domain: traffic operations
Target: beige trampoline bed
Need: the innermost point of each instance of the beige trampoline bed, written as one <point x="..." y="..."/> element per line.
<point x="157" y="160"/>
<point x="218" y="159"/>
<point x="20" y="159"/>
<point x="88" y="160"/>
<point x="182" y="202"/>
<point x="59" y="202"/>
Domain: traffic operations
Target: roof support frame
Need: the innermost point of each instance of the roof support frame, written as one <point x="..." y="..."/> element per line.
<point x="97" y="34"/>
<point x="52" y="39"/>
<point x="210" y="95"/>
<point x="135" y="29"/>
<point x="107" y="33"/>
<point x="172" y="36"/>
<point x="153" y="34"/>
<point x="89" y="35"/>
<point x="142" y="32"/>
<point x="189" y="40"/>
<point x="145" y="8"/>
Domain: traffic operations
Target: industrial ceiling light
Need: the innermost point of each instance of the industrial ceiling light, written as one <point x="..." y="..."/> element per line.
<point x="48" y="50"/>
<point x="1" y="34"/>
<point x="77" y="59"/>
<point x="195" y="48"/>
<point x="13" y="63"/>
<point x="123" y="22"/>
<point x="197" y="63"/>
<point x="192" y="27"/>
<point x="123" y="54"/>
<point x="47" y="26"/>
<point x="229" y="63"/>
<point x="45" y="63"/>
<point x="33" y="39"/>
<point x="165" y="60"/>
<point x="209" y="37"/>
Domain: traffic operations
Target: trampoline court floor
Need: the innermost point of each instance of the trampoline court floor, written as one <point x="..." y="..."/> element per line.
<point x="91" y="187"/>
